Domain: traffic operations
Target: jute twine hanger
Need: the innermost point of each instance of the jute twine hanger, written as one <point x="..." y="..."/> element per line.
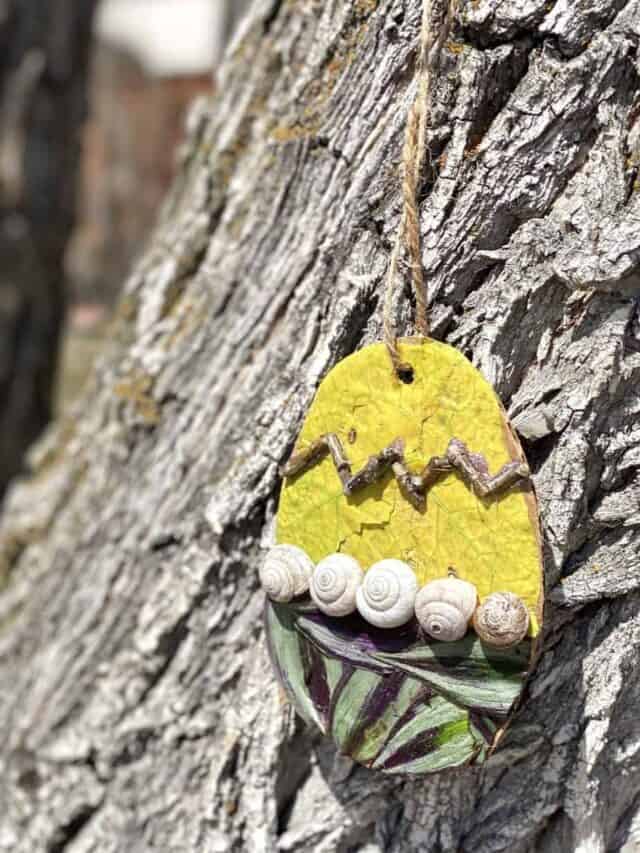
<point x="413" y="157"/>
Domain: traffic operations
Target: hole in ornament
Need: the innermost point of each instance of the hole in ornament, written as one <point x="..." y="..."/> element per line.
<point x="405" y="374"/>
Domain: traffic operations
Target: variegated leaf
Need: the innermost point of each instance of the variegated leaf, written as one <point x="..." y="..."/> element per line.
<point x="394" y="703"/>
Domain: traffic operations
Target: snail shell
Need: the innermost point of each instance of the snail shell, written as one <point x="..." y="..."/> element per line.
<point x="334" y="584"/>
<point x="387" y="595"/>
<point x="502" y="620"/>
<point x="444" y="608"/>
<point x="286" y="572"/>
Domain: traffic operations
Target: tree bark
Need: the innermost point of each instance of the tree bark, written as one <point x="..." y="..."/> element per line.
<point x="138" y="707"/>
<point x="44" y="50"/>
<point x="231" y="11"/>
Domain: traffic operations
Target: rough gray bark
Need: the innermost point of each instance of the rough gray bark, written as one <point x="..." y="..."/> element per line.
<point x="137" y="703"/>
<point x="43" y="63"/>
<point x="230" y="12"/>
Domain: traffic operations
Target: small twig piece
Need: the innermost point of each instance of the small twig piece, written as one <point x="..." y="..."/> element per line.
<point x="472" y="467"/>
<point x="475" y="472"/>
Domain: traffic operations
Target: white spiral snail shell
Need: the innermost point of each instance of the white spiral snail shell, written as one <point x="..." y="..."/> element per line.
<point x="387" y="595"/>
<point x="444" y="608"/>
<point x="334" y="583"/>
<point x="502" y="620"/>
<point x="286" y="572"/>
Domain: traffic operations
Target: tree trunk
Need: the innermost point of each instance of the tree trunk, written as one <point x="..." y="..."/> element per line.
<point x="43" y="63"/>
<point x="228" y="14"/>
<point x="138" y="707"/>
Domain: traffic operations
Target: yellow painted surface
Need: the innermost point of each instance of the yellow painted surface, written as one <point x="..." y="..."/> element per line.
<point x="493" y="543"/>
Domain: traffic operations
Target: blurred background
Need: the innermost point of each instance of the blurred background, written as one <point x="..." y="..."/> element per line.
<point x="93" y="97"/>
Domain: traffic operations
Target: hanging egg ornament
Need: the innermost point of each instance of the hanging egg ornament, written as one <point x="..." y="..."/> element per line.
<point x="391" y="483"/>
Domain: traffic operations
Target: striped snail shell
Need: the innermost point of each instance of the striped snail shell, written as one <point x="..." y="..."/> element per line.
<point x="444" y="608"/>
<point x="502" y="620"/>
<point x="334" y="583"/>
<point x="286" y="572"/>
<point x="387" y="595"/>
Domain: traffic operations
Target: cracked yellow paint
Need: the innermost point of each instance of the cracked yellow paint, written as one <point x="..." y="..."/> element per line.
<point x="493" y="543"/>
